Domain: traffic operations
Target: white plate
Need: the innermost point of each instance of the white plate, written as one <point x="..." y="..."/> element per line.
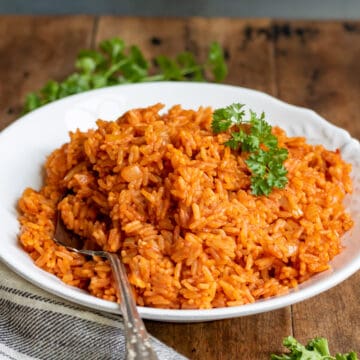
<point x="25" y="144"/>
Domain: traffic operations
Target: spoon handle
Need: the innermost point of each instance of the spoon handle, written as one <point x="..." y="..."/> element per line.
<point x="137" y="339"/>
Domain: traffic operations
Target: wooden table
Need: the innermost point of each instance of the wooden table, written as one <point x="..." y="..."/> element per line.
<point x="307" y="63"/>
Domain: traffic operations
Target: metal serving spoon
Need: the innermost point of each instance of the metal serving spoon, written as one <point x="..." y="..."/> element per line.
<point x="137" y="339"/>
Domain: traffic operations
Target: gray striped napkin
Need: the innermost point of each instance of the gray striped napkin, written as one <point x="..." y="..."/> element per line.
<point x="37" y="325"/>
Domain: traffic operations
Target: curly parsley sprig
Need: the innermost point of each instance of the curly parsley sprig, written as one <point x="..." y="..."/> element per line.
<point x="117" y="63"/>
<point x="265" y="159"/>
<point x="316" y="349"/>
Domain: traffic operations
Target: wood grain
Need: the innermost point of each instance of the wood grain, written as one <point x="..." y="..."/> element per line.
<point x="34" y="50"/>
<point x="250" y="63"/>
<point x="333" y="314"/>
<point x="246" y="338"/>
<point x="317" y="66"/>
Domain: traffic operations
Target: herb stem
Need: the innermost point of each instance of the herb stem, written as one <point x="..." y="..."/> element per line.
<point x="115" y="63"/>
<point x="264" y="159"/>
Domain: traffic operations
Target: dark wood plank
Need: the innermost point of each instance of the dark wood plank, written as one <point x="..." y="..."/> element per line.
<point x="154" y="36"/>
<point x="250" y="61"/>
<point x="34" y="50"/>
<point x="245" y="338"/>
<point x="317" y="66"/>
<point x="334" y="314"/>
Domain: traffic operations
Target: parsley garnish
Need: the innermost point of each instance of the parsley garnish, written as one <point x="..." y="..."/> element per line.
<point x="116" y="63"/>
<point x="265" y="159"/>
<point x="316" y="349"/>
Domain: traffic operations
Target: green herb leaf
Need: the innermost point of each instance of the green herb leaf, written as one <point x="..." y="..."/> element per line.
<point x="32" y="101"/>
<point x="169" y="68"/>
<point x="265" y="160"/>
<point x="236" y="139"/>
<point x="316" y="349"/>
<point x="349" y="356"/>
<point x="217" y="62"/>
<point x="226" y="117"/>
<point x="116" y="63"/>
<point x="50" y="90"/>
<point x="320" y="345"/>
<point x="136" y="68"/>
<point x="113" y="48"/>
<point x="262" y="130"/>
<point x="94" y="55"/>
<point x="190" y="68"/>
<point x="86" y="64"/>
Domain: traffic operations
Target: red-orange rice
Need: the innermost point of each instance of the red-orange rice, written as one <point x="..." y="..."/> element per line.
<point x="165" y="194"/>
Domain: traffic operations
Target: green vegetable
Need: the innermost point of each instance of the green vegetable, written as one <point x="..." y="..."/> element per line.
<point x="316" y="349"/>
<point x="265" y="159"/>
<point x="115" y="63"/>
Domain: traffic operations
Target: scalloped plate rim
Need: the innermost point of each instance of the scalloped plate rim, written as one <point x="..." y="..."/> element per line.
<point x="304" y="291"/>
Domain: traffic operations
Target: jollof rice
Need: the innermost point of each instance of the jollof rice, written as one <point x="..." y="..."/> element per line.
<point x="175" y="203"/>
